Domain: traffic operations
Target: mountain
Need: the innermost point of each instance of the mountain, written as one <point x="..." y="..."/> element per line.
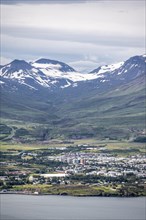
<point x="107" y="102"/>
<point x="52" y="64"/>
<point x="54" y="75"/>
<point x="112" y="76"/>
<point x="45" y="73"/>
<point x="123" y="71"/>
<point x="19" y="72"/>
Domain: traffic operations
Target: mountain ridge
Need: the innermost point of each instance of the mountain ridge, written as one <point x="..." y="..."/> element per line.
<point x="51" y="72"/>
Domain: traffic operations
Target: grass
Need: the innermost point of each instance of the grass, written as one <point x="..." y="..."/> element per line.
<point x="29" y="187"/>
<point x="7" y="147"/>
<point x="110" y="145"/>
<point x="125" y="145"/>
<point x="72" y="190"/>
<point x="78" y="190"/>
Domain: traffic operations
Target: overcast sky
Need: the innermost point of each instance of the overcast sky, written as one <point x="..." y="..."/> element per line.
<point x="84" y="34"/>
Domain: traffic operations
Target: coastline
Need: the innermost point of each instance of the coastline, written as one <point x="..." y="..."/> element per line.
<point x="79" y="195"/>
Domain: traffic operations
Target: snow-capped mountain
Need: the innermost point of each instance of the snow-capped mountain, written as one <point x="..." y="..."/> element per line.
<point x="23" y="73"/>
<point x="119" y="73"/>
<point x="52" y="64"/>
<point x="107" y="68"/>
<point x="55" y="75"/>
<point x="132" y="67"/>
<point x="58" y="70"/>
<point x="43" y="72"/>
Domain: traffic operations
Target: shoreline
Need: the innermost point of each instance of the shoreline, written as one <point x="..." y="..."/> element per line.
<point x="64" y="195"/>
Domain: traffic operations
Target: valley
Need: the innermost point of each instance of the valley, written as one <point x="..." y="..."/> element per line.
<point x="67" y="133"/>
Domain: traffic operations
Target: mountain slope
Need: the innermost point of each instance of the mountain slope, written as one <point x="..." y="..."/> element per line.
<point x="123" y="107"/>
<point x="107" y="102"/>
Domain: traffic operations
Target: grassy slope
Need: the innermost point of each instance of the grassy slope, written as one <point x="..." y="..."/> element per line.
<point x="123" y="109"/>
<point x="114" y="114"/>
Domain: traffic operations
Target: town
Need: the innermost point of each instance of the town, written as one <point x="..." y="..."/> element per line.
<point x="73" y="170"/>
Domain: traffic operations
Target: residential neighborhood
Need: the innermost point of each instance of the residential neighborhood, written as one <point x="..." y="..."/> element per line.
<point x="72" y="166"/>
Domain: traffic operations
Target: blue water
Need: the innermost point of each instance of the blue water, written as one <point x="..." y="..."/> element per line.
<point x="29" y="207"/>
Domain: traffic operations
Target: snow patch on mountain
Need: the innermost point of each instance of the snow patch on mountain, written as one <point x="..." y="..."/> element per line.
<point x="67" y="85"/>
<point x="109" y="68"/>
<point x="46" y="66"/>
<point x="31" y="87"/>
<point x="53" y="70"/>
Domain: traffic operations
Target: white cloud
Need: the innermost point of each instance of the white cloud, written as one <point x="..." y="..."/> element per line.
<point x="87" y="33"/>
<point x="4" y="60"/>
<point x="94" y="17"/>
<point x="84" y="66"/>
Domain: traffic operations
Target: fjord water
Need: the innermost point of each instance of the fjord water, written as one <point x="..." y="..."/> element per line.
<point x="29" y="207"/>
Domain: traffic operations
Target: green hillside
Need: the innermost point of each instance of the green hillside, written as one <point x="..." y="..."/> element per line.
<point x="118" y="114"/>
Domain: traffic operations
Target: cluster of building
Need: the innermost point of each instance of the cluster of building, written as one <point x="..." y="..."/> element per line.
<point x="84" y="161"/>
<point x="102" y="164"/>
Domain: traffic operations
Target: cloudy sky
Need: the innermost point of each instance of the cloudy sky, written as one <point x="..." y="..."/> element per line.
<point x="82" y="33"/>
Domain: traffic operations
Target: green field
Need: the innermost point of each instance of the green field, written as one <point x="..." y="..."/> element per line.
<point x="80" y="190"/>
<point x="122" y="147"/>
